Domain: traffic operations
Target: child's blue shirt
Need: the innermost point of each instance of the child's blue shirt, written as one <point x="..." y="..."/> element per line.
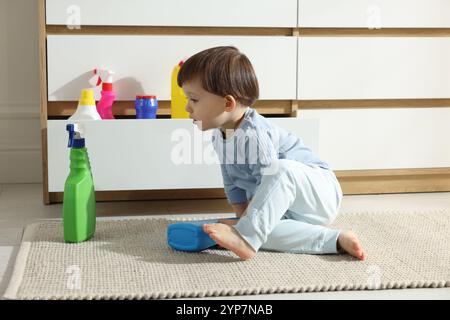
<point x="256" y="143"/>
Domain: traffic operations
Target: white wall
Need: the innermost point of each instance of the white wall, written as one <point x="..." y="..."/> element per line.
<point x="20" y="143"/>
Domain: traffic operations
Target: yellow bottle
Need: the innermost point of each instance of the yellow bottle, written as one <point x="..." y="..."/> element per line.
<point x="178" y="98"/>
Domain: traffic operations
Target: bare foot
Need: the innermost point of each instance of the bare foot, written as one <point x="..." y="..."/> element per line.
<point x="226" y="236"/>
<point x="348" y="242"/>
<point x="230" y="222"/>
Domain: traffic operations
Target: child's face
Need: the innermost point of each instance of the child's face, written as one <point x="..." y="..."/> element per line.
<point x="206" y="109"/>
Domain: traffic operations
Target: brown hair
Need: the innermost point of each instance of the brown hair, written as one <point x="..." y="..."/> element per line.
<point x="222" y="71"/>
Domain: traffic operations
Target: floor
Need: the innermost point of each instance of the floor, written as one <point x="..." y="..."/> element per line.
<point x="21" y="204"/>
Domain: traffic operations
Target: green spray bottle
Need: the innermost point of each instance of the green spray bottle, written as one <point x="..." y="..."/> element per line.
<point x="79" y="196"/>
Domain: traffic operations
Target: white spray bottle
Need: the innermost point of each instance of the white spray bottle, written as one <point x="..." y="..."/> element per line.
<point x="86" y="109"/>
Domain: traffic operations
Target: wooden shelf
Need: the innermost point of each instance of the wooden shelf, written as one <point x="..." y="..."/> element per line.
<point x="394" y="180"/>
<point x="169" y="30"/>
<point x="133" y="195"/>
<point x="58" y="109"/>
<point x="373" y="103"/>
<point x="287" y="108"/>
<point x="366" y="32"/>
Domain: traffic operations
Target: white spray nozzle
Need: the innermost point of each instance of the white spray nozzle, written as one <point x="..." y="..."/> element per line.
<point x="104" y="75"/>
<point x="76" y="132"/>
<point x="78" y="129"/>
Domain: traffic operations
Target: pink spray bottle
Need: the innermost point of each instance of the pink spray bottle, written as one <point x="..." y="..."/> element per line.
<point x="104" y="106"/>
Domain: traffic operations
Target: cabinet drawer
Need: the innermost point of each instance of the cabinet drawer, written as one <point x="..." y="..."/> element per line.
<point x="130" y="155"/>
<point x="145" y="154"/>
<point x="371" y="14"/>
<point x="360" y="139"/>
<point x="373" y="68"/>
<point x="212" y="13"/>
<point x="144" y="64"/>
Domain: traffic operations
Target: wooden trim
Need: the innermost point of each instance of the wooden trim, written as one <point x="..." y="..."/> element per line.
<point x="294" y="104"/>
<point x="294" y="108"/>
<point x="172" y="194"/>
<point x="394" y="181"/>
<point x="169" y="30"/>
<point x="352" y="182"/>
<point x="43" y="98"/>
<point x="393" y="172"/>
<point x="126" y="108"/>
<point x="384" y="32"/>
<point x="257" y="31"/>
<point x="374" y="103"/>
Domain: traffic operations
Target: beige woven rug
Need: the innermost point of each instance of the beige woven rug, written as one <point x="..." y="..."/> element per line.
<point x="130" y="259"/>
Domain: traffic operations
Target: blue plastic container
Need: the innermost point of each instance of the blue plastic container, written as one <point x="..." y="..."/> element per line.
<point x="139" y="105"/>
<point x="189" y="236"/>
<point x="150" y="107"/>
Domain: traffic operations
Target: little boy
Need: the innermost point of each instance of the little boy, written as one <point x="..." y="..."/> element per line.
<point x="284" y="195"/>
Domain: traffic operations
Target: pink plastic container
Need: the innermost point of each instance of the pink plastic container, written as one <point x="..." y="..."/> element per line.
<point x="104" y="106"/>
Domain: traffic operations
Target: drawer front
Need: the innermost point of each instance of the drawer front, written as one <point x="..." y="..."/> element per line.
<point x="360" y="139"/>
<point x="131" y="155"/>
<point x="149" y="154"/>
<point x="144" y="64"/>
<point x="209" y="13"/>
<point x="373" y="68"/>
<point x="374" y="14"/>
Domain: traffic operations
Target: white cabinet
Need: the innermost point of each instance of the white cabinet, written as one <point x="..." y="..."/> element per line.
<point x="209" y="13"/>
<point x="150" y="154"/>
<point x="143" y="64"/>
<point x="142" y="40"/>
<point x="373" y="68"/>
<point x="374" y="14"/>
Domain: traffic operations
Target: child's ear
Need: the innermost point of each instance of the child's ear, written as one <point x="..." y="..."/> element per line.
<point x="230" y="103"/>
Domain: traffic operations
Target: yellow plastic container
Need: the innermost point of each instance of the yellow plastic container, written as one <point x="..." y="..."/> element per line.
<point x="178" y="98"/>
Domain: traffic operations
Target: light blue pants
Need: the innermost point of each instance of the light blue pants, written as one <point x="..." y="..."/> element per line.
<point x="291" y="208"/>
